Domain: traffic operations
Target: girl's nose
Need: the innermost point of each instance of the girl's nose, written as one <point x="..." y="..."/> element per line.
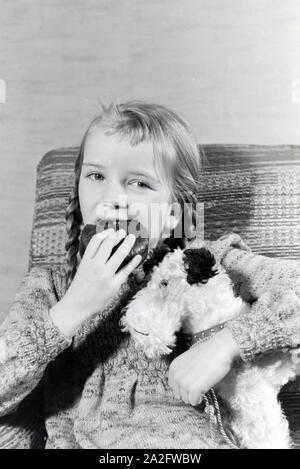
<point x="115" y="195"/>
<point x="112" y="202"/>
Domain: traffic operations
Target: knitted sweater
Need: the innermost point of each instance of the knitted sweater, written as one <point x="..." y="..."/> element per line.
<point x="98" y="390"/>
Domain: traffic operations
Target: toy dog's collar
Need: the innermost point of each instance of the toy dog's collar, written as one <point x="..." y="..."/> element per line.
<point x="203" y="335"/>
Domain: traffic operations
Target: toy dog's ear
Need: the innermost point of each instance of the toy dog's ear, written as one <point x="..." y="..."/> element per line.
<point x="198" y="264"/>
<point x="155" y="258"/>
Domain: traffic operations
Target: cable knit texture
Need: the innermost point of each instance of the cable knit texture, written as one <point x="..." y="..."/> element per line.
<point x="98" y="390"/>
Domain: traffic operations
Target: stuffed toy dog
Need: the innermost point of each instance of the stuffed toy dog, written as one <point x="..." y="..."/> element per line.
<point x="190" y="290"/>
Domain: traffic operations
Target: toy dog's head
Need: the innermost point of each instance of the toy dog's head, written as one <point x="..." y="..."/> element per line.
<point x="187" y="289"/>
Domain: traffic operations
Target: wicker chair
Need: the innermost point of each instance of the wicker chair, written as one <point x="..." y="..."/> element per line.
<point x="249" y="189"/>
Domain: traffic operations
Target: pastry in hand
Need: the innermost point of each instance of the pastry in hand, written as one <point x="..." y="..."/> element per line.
<point x="130" y="226"/>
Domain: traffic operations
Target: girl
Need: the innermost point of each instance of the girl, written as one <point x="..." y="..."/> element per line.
<point x="62" y="354"/>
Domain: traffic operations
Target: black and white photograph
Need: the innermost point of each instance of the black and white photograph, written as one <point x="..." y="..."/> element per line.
<point x="150" y="227"/>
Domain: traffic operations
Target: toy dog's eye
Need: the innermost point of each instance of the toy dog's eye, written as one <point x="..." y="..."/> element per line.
<point x="164" y="283"/>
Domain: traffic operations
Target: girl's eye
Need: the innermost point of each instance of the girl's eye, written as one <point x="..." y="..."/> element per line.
<point x="99" y="176"/>
<point x="143" y="184"/>
<point x="95" y="174"/>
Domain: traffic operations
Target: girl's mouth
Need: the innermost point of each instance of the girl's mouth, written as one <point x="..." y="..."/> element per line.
<point x="118" y="224"/>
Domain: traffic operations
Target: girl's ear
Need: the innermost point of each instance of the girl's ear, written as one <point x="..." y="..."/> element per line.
<point x="198" y="264"/>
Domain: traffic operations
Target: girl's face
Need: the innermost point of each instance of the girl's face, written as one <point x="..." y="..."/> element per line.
<point x="120" y="181"/>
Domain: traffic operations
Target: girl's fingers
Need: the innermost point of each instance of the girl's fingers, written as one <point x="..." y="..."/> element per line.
<point x="105" y="248"/>
<point x="123" y="273"/>
<point x="119" y="255"/>
<point x="95" y="242"/>
<point x="184" y="395"/>
<point x="190" y="397"/>
<point x="195" y="397"/>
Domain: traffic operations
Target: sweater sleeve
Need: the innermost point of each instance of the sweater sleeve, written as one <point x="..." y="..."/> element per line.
<point x="272" y="287"/>
<point x="272" y="324"/>
<point x="29" y="340"/>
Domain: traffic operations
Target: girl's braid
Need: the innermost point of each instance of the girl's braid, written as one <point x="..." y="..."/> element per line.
<point x="73" y="225"/>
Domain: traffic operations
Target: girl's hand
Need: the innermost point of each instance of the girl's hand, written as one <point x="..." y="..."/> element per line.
<point x="96" y="282"/>
<point x="200" y="368"/>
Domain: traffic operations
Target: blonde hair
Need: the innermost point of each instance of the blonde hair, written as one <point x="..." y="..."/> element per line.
<point x="175" y="152"/>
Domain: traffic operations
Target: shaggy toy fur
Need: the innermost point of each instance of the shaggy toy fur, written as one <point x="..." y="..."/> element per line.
<point x="189" y="290"/>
